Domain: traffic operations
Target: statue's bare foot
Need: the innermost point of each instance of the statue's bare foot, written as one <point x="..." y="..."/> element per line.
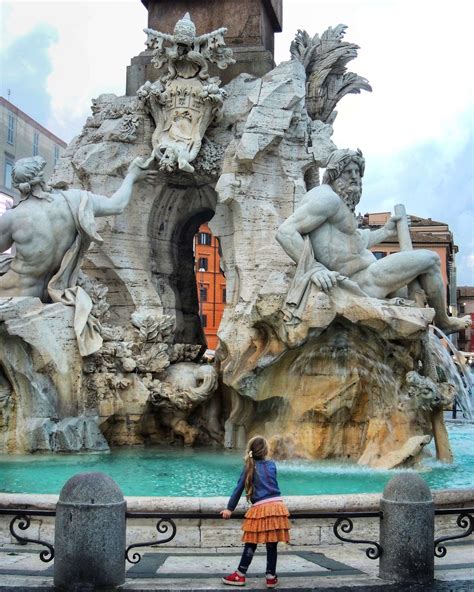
<point x="455" y="324"/>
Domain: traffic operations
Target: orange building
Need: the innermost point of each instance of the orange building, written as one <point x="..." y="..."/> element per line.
<point x="210" y="283"/>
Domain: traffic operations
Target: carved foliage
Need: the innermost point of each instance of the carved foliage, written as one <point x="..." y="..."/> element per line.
<point x="153" y="328"/>
<point x="325" y="59"/>
<point x="140" y="355"/>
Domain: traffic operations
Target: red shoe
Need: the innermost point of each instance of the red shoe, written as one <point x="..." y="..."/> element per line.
<point x="272" y="581"/>
<point x="234" y="579"/>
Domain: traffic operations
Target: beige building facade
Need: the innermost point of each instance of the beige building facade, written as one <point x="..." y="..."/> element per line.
<point x="22" y="136"/>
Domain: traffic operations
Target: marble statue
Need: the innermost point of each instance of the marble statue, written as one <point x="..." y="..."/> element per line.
<point x="317" y="349"/>
<point x="323" y="230"/>
<point x="51" y="231"/>
<point x="184" y="100"/>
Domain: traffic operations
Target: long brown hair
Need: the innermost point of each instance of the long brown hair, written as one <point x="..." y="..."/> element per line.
<point x="257" y="449"/>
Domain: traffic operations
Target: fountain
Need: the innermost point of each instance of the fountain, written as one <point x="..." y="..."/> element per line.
<point x="101" y="343"/>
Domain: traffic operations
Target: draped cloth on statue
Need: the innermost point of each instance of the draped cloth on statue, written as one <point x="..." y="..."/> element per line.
<point x="296" y="300"/>
<point x="300" y="286"/>
<point x="62" y="287"/>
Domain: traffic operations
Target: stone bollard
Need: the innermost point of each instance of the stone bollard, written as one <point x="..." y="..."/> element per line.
<point x="407" y="530"/>
<point x="89" y="537"/>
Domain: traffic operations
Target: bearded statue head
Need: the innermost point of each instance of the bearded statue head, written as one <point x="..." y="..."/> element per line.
<point x="344" y="172"/>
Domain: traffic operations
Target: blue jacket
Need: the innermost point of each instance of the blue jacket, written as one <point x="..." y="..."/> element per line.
<point x="264" y="482"/>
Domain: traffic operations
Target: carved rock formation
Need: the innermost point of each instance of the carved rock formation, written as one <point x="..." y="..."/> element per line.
<point x="351" y="379"/>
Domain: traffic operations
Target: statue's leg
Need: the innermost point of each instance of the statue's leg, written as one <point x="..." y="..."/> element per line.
<point x="399" y="269"/>
<point x="390" y="274"/>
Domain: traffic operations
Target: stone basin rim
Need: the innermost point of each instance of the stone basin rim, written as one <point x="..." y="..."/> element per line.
<point x="363" y="502"/>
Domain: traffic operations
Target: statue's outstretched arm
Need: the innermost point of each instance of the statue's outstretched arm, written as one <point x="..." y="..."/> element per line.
<point x="111" y="206"/>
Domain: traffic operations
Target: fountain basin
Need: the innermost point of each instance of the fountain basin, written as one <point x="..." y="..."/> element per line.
<point x="204" y="473"/>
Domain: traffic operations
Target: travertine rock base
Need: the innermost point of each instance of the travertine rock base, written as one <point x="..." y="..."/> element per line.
<point x="343" y="394"/>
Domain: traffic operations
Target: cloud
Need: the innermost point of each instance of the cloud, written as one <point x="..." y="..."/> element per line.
<point x="418" y="67"/>
<point x="97" y="53"/>
<point x="94" y="43"/>
<point x="25" y="66"/>
<point x="433" y="179"/>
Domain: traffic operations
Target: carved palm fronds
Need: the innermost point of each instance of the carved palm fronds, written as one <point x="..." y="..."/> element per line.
<point x="325" y="59"/>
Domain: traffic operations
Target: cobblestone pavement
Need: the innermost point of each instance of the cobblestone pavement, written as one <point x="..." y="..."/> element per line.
<point x="333" y="567"/>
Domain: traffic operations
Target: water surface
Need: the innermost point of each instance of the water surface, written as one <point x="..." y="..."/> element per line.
<point x="205" y="472"/>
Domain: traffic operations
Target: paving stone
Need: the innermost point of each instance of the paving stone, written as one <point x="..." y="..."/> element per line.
<point x="330" y="568"/>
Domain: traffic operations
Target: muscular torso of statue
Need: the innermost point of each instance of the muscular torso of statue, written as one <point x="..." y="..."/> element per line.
<point x="42" y="231"/>
<point x="338" y="244"/>
<point x="44" y="226"/>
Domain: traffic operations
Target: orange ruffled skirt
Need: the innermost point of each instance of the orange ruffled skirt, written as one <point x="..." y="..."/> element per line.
<point x="266" y="523"/>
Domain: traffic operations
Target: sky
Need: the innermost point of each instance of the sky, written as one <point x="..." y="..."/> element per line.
<point x="416" y="128"/>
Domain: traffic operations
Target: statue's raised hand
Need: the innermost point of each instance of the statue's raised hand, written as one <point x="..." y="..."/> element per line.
<point x="139" y="169"/>
<point x="391" y="226"/>
<point x="325" y="280"/>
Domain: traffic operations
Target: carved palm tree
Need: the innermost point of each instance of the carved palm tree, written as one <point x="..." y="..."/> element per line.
<point x="325" y="59"/>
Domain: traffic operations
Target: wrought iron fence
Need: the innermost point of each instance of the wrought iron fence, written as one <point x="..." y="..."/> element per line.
<point x="465" y="520"/>
<point x="166" y="526"/>
<point x="22" y="520"/>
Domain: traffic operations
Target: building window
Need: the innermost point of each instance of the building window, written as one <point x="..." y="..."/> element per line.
<point x="379" y="254"/>
<point x="224" y="295"/>
<point x="8" y="173"/>
<point x="204" y="238"/>
<point x="56" y="155"/>
<point x="11" y="129"/>
<point x="202" y="263"/>
<point x="35" y="143"/>
<point x="203" y="320"/>
<point x="203" y="294"/>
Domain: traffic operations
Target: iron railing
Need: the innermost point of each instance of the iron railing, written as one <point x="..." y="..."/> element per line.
<point x="166" y="526"/>
<point x="465" y="520"/>
<point x="22" y="519"/>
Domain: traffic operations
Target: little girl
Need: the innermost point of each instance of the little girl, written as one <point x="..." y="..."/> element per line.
<point x="267" y="520"/>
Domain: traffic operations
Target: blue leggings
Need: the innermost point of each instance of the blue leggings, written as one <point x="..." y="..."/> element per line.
<point x="248" y="553"/>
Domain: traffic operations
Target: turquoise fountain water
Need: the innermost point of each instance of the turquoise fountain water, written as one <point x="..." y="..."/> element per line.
<point x="198" y="472"/>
